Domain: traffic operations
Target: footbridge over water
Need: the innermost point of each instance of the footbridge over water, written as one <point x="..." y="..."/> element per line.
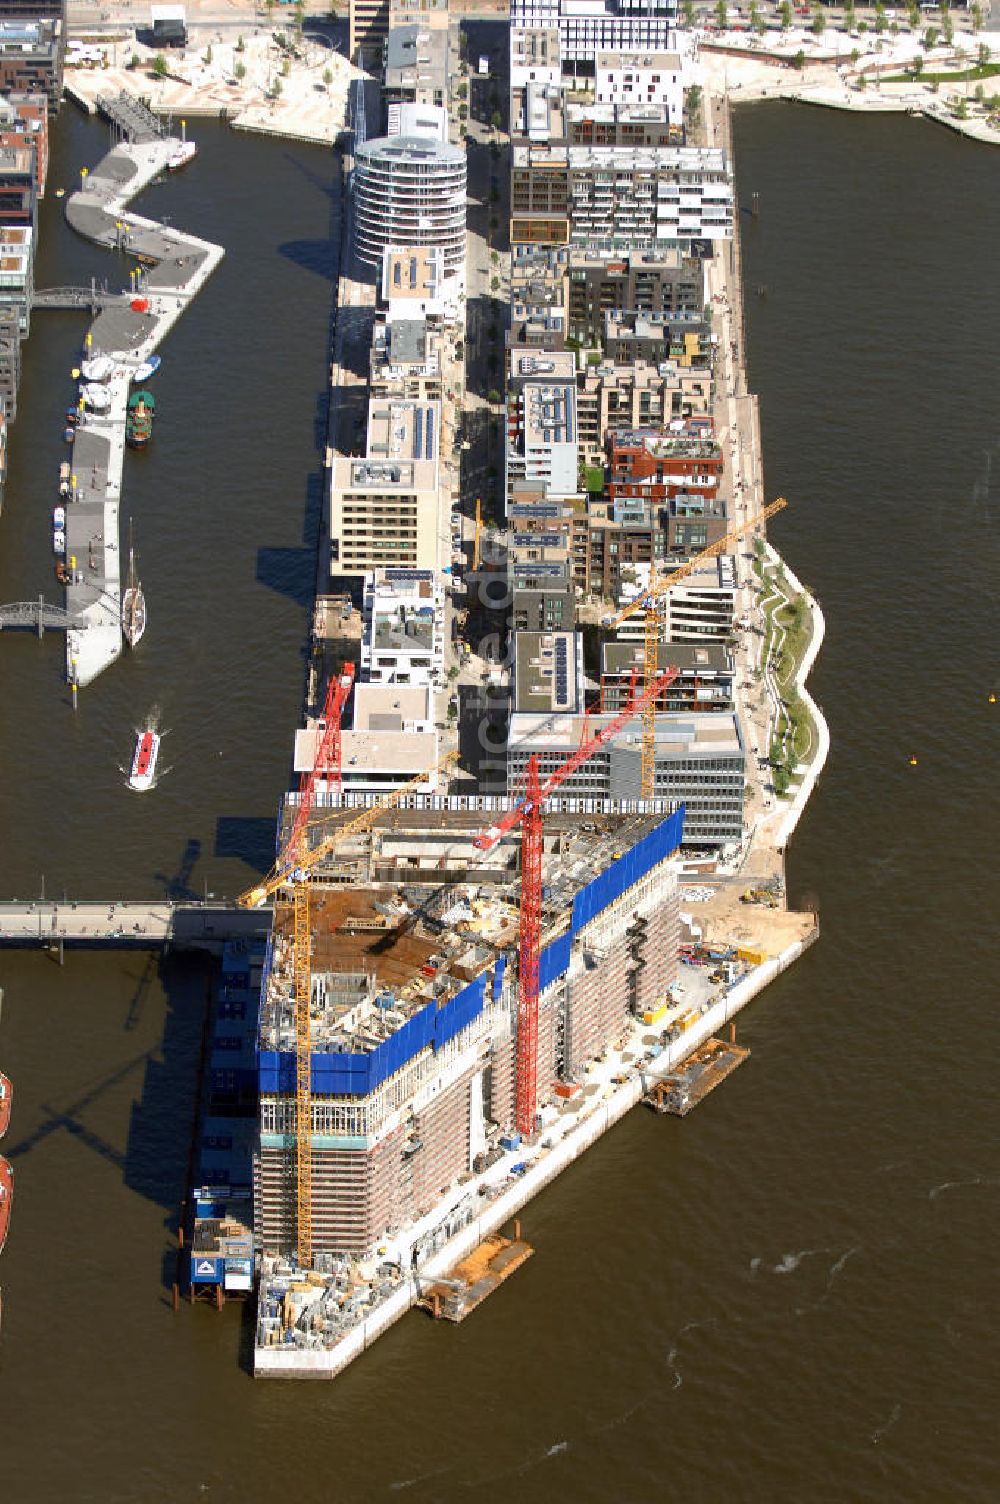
<point x="38" y="615"/>
<point x="54" y="924"/>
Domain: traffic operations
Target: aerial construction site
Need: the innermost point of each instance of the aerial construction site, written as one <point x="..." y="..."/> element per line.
<point x="477" y="964"/>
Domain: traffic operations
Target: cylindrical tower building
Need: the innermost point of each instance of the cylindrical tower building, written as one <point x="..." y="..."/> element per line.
<point x="410" y="190"/>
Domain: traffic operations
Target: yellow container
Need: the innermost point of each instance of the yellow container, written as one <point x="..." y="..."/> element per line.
<point x="752" y="957"/>
<point x="655" y="1014"/>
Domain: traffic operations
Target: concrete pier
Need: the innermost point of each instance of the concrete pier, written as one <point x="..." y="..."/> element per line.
<point x="176" y="266"/>
<point x="97" y="922"/>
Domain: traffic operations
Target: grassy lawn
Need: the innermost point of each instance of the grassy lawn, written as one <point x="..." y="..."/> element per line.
<point x="968" y="75"/>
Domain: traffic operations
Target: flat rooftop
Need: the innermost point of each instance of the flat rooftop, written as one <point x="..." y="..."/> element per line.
<point x="527" y="363"/>
<point x="412" y="271"/>
<point x="678" y="733"/>
<point x="400" y="430"/>
<point x="548" y="671"/>
<point x="385" y="707"/>
<point x="690" y="657"/>
<point x="549" y="413"/>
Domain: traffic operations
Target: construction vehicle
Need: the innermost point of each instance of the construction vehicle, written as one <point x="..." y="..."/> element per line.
<point x="293" y="870"/>
<point x="528" y="813"/>
<point x="651" y="602"/>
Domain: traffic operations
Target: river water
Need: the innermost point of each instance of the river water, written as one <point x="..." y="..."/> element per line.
<point x="788" y="1296"/>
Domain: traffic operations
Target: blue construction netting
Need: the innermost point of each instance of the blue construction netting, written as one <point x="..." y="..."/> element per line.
<point x="498" y="975"/>
<point x="351" y="1075"/>
<point x="459" y="1012"/>
<point x="629" y="869"/>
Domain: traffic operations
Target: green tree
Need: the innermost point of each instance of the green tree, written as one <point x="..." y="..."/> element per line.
<point x="689" y="16"/>
<point x="947" y="30"/>
<point x="799" y="60"/>
<point x="496" y="120"/>
<point x="241" y="46"/>
<point x="276" y="89"/>
<point x="208" y="55"/>
<point x="239" y="71"/>
<point x="785" y="12"/>
<point x="983" y="55"/>
<point x="855" y="56"/>
<point x="286" y="68"/>
<point x="929" y="38"/>
<point x="962" y="109"/>
<point x="692" y="100"/>
<point x="327" y="77"/>
<point x="850" y="19"/>
<point x="757" y="24"/>
<point x="493" y="396"/>
<point x="980" y="94"/>
<point x="880" y="18"/>
<point x="917" y="65"/>
<point x="721" y="14"/>
<point x="819" y="21"/>
<point x="976" y="12"/>
<point x="160" y="69"/>
<point x="913" y="15"/>
<point x="495" y="283"/>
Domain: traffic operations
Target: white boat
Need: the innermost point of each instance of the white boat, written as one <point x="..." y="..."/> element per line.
<point x="58" y="541"/>
<point x="96" y="396"/>
<point x="148" y="368"/>
<point x="133" y="601"/>
<point x="147" y="749"/>
<point x="182" y="156"/>
<point x="59" y="517"/>
<point x="101" y="368"/>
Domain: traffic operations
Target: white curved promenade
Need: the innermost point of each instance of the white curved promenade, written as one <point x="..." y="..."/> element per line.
<point x="178" y="266"/>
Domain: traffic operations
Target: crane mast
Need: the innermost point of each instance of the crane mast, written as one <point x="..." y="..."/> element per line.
<point x="528" y="813"/>
<point x="294" y="868"/>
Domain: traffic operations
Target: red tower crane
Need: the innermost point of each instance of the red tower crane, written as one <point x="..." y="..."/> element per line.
<point x="326" y="763"/>
<point x="528" y="810"/>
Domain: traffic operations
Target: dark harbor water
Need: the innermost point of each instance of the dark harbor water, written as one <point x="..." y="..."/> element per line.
<point x="789" y="1296"/>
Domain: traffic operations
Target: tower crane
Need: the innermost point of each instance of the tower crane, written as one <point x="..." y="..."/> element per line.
<point x="326" y="761"/>
<point x="528" y="811"/>
<point x="293" y="869"/>
<point x="651" y="600"/>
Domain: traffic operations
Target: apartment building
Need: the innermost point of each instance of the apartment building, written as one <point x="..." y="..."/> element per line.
<point x="588" y="27"/>
<point x="670" y="281"/>
<point x="405" y="361"/>
<point x="636" y="396"/>
<point x="635" y="198"/>
<point x="403" y="636"/>
<point x="704" y="683"/>
<point x="384" y="508"/>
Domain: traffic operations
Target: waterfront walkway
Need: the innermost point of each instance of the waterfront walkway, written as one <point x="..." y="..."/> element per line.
<point x="177" y="265"/>
<point x="96" y="922"/>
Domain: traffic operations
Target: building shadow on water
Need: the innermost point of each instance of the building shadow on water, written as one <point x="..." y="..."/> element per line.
<point x="248" y="838"/>
<point x="177" y="885"/>
<point x="158" y="1155"/>
<point x="288" y="571"/>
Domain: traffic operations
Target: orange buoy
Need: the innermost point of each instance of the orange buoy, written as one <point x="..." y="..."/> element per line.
<point x="993" y="699"/>
<point x="913" y="762"/>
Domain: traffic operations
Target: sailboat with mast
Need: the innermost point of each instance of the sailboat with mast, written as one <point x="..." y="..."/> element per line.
<point x="133" y="601"/>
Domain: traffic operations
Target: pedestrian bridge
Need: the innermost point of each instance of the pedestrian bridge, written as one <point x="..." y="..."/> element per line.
<point x="199" y="926"/>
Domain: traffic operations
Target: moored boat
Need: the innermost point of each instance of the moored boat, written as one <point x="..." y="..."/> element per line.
<point x="180" y="158"/>
<point x="96" y="396"/>
<point x="139" y="419"/>
<point x="148" y="368"/>
<point x="6" y="1199"/>
<point x="6" y="1100"/>
<point x="133" y="601"/>
<point x="147" y="748"/>
<point x="100" y="368"/>
<point x="58" y="541"/>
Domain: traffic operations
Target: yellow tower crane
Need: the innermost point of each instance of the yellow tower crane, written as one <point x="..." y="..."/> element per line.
<point x="651" y="601"/>
<point x="294" y="869"/>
